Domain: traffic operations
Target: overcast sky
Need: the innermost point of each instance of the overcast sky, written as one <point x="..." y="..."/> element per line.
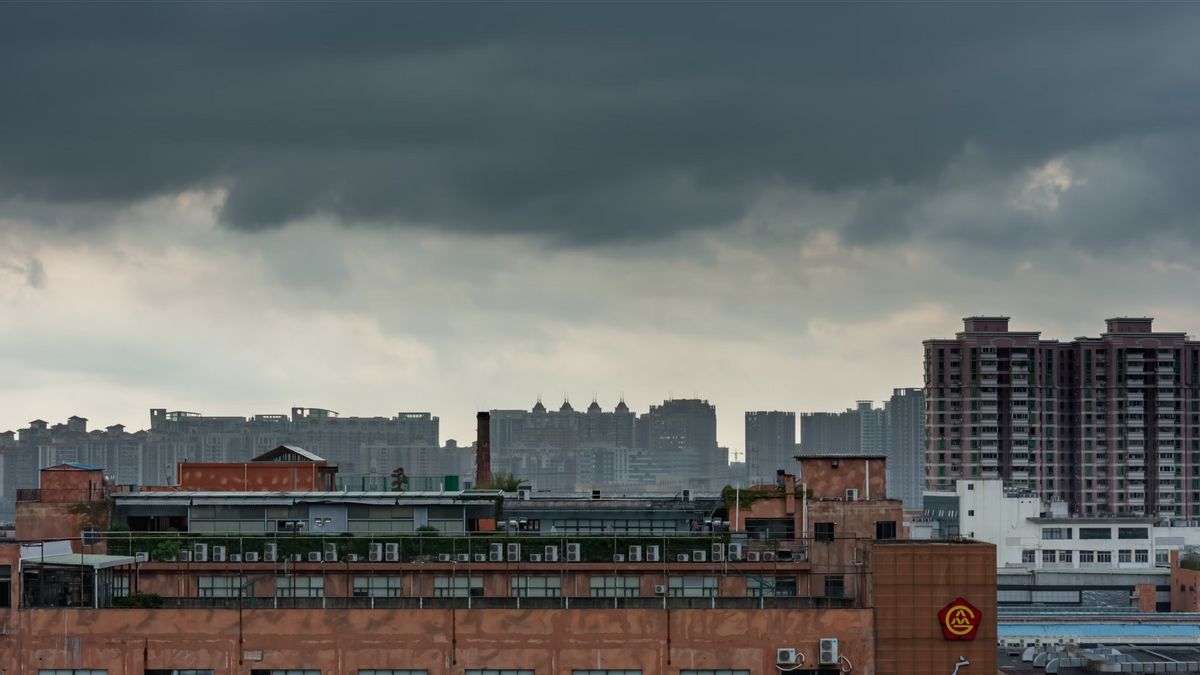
<point x="234" y="208"/>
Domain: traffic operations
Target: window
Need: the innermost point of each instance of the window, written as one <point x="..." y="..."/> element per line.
<point x="1066" y="556"/>
<point x="1049" y="556"/>
<point x="489" y="671"/>
<point x="377" y="587"/>
<point x="1056" y="533"/>
<point x="1028" y="556"/>
<point x="457" y="587"/>
<point x="5" y="586"/>
<point x="393" y="672"/>
<point x="179" y="672"/>
<point x="536" y="587"/>
<point x="1133" y="533"/>
<point x="970" y="512"/>
<point x="299" y="587"/>
<point x="714" y="672"/>
<point x="823" y="531"/>
<point x="692" y="587"/>
<point x="1095" y="533"/>
<point x="120" y="586"/>
<point x="1125" y="556"/>
<point x="835" y="586"/>
<point x="1104" y="556"/>
<point x="606" y="672"/>
<point x="615" y="587"/>
<point x="72" y="672"/>
<point x="1141" y="555"/>
<point x="770" y="587"/>
<point x="1162" y="557"/>
<point x="885" y="529"/>
<point x="1087" y="557"/>
<point x="285" y="672"/>
<point x="218" y="587"/>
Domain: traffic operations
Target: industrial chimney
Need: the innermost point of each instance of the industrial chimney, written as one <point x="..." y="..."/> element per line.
<point x="483" y="448"/>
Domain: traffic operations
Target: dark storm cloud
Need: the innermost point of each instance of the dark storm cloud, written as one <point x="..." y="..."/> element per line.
<point x="584" y="122"/>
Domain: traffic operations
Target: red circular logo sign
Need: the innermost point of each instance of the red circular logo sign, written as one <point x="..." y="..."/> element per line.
<point x="959" y="620"/>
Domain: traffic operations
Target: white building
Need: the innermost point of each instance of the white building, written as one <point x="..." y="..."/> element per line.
<point x="1029" y="534"/>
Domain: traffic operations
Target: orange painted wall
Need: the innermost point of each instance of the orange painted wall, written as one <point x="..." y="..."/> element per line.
<point x="71" y="485"/>
<point x="253" y="477"/>
<point x="831" y="477"/>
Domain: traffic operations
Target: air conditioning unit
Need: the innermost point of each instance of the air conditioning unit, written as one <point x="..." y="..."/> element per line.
<point x="829" y="652"/>
<point x="270" y="551"/>
<point x="314" y="556"/>
<point x="251" y="556"/>
<point x="652" y="553"/>
<point x="573" y="553"/>
<point x="391" y="552"/>
<point x="522" y="493"/>
<point x="786" y="657"/>
<point x="754" y="556"/>
<point x="352" y="557"/>
<point x="735" y="552"/>
<point x="298" y="557"/>
<point x="480" y="557"/>
<point x="687" y="495"/>
<point x="618" y="557"/>
<point x="444" y="557"/>
<point x="683" y="557"/>
<point x="331" y="553"/>
<point x="185" y="556"/>
<point x="550" y="554"/>
<point x="496" y="552"/>
<point x="718" y="552"/>
<point x="514" y="553"/>
<point x="699" y="556"/>
<point x="235" y="557"/>
<point x="851" y="494"/>
<point x="535" y="557"/>
<point x="218" y="554"/>
<point x="375" y="552"/>
<point x="635" y="554"/>
<point x="463" y="557"/>
<point x="660" y="590"/>
<point x="768" y="556"/>
<point x="200" y="552"/>
<point x="141" y="556"/>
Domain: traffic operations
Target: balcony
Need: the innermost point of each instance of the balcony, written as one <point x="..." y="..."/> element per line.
<point x="1135" y="370"/>
<point x="987" y="461"/>
<point x="987" y="367"/>
<point x="1134" y="396"/>
<point x="1164" y="435"/>
<point x="1135" y="382"/>
<point x="1135" y="474"/>
<point x="1166" y="370"/>
<point x="1020" y="395"/>
<point x="1166" y="381"/>
<point x="986" y="381"/>
<point x="988" y="395"/>
<point x="1135" y="460"/>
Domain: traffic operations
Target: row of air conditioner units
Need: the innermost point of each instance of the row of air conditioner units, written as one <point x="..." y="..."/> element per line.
<point x="827" y="654"/>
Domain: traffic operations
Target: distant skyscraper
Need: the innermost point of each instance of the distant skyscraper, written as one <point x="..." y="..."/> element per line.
<point x="823" y="433"/>
<point x="770" y="444"/>
<point x="905" y="447"/>
<point x="1106" y="424"/>
<point x="872" y="428"/>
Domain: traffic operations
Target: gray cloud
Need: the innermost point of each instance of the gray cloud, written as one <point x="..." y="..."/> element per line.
<point x="594" y="123"/>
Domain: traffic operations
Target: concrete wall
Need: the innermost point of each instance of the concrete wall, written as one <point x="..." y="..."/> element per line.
<point x="253" y="477"/>
<point x="830" y="477"/>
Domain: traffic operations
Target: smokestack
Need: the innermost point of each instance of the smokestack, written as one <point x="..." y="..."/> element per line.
<point x="483" y="448"/>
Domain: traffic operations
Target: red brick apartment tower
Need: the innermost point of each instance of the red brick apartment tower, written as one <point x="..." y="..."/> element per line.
<point x="1107" y="424"/>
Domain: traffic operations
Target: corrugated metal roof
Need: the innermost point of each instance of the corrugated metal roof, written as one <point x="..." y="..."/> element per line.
<point x="74" y="465"/>
<point x="1098" y="631"/>
<point x="92" y="560"/>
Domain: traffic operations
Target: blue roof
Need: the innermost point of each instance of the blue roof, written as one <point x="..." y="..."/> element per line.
<point x="76" y="465"/>
<point x="1100" y="631"/>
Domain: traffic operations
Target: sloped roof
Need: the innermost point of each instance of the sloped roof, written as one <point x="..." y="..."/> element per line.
<point x="75" y="466"/>
<point x="270" y="455"/>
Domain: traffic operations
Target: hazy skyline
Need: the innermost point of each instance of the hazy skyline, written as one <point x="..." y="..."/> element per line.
<point x="235" y="208"/>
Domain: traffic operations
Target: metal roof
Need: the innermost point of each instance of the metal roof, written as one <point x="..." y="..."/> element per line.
<point x="74" y="465"/>
<point x="252" y="498"/>
<point x="92" y="560"/>
<point x="1099" y="631"/>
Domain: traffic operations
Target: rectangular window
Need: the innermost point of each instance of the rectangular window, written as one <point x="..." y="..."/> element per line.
<point x="692" y="587"/>
<point x="1133" y="533"/>
<point x="1087" y="557"/>
<point x="1095" y="533"/>
<point x="885" y="529"/>
<point x="5" y="586"/>
<point x="1125" y="556"/>
<point x="1141" y="555"/>
<point x="378" y="587"/>
<point x="299" y="587"/>
<point x="1066" y="556"/>
<point x="714" y="672"/>
<point x="1028" y="556"/>
<point x="457" y="587"/>
<point x="536" y="587"/>
<point x="72" y="672"/>
<point x="615" y="587"/>
<point x="835" y="586"/>
<point x="1049" y="556"/>
<point x="1104" y="556"/>
<point x="606" y="672"/>
<point x="1056" y="533"/>
<point x="285" y="672"/>
<point x="218" y="587"/>
<point x="823" y="531"/>
<point x="178" y="672"/>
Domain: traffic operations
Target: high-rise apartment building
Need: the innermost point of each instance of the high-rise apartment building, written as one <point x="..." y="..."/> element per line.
<point x="905" y="447"/>
<point x="1107" y="424"/>
<point x="825" y="433"/>
<point x="770" y="444"/>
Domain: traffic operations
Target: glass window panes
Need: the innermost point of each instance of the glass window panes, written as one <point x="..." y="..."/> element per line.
<point x="693" y="587"/>
<point x="285" y="672"/>
<point x="218" y="587"/>
<point x="615" y="587"/>
<point x="377" y="587"/>
<point x="457" y="587"/>
<point x="536" y="587"/>
<point x="179" y="672"/>
<point x="299" y="587"/>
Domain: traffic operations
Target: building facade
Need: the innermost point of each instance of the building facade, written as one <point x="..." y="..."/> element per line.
<point x="770" y="444"/>
<point x="1106" y="424"/>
